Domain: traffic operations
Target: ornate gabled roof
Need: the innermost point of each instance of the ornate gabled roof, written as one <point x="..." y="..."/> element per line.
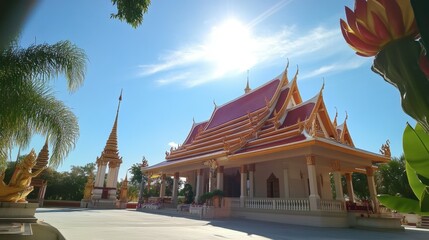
<point x="195" y="130"/>
<point x="267" y="117"/>
<point x="344" y="134"/>
<point x="239" y="107"/>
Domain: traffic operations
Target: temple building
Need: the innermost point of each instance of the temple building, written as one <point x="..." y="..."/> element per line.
<point x="104" y="190"/>
<point x="273" y="155"/>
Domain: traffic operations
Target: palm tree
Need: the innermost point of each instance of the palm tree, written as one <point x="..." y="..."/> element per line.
<point x="27" y="105"/>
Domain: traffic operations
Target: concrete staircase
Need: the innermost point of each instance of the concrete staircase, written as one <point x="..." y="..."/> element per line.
<point x="425" y="222"/>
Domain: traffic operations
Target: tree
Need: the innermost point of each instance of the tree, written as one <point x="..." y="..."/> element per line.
<point x="392" y="179"/>
<point x="131" y="11"/>
<point x="27" y="105"/>
<point x="14" y="13"/>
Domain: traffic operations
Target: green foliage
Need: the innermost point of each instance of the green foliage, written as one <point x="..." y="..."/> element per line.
<point x="188" y="193"/>
<point x="208" y="196"/>
<point x="392" y="179"/>
<point x="136" y="174"/>
<point x="415" y="143"/>
<point x="27" y="105"/>
<point x="131" y="11"/>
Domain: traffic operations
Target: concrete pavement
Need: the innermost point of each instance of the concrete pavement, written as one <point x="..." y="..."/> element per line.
<point x="78" y="224"/>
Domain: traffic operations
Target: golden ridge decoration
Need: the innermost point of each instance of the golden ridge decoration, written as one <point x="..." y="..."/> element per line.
<point x="385" y="149"/>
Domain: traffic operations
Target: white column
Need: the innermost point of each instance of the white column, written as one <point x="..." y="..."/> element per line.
<point x="101" y="172"/>
<point x="286" y="182"/>
<point x="112" y="175"/>
<point x="371" y="187"/>
<point x="350" y="187"/>
<point x="199" y="184"/>
<point x="210" y="179"/>
<point x="252" y="180"/>
<point x="339" y="195"/>
<point x="243" y="187"/>
<point x="219" y="183"/>
<point x="162" y="188"/>
<point x="314" y="197"/>
<point x="175" y="187"/>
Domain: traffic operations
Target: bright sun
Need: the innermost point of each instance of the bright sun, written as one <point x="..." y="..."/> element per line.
<point x="230" y="47"/>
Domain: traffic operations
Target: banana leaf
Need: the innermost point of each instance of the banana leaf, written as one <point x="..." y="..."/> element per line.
<point x="416" y="145"/>
<point x="401" y="204"/>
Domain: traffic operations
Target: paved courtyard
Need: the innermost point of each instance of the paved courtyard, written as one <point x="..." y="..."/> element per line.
<point x="130" y="224"/>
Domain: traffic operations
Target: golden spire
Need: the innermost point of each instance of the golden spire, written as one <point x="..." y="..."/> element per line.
<point x="112" y="143"/>
<point x="42" y="157"/>
<point x="247" y="89"/>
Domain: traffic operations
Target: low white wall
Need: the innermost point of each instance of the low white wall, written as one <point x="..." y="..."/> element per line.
<point x="297" y="218"/>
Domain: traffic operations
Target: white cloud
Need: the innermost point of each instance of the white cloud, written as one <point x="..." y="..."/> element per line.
<point x="173" y="144"/>
<point x="196" y="65"/>
<point x="336" y="67"/>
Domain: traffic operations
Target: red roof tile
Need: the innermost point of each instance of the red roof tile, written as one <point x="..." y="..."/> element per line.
<point x="301" y="112"/>
<point x="247" y="103"/>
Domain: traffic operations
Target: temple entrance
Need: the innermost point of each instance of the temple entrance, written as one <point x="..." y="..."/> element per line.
<point x="273" y="186"/>
<point x="231" y="184"/>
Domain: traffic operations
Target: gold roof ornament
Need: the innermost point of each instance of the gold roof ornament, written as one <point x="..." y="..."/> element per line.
<point x="247" y="89"/>
<point x="284" y="77"/>
<point x="335" y="119"/>
<point x="385" y="149"/>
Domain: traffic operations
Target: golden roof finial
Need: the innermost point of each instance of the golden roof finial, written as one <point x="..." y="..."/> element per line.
<point x="347" y="116"/>
<point x="247" y="89"/>
<point x="214" y="103"/>
<point x="296" y="73"/>
<point x="193" y="120"/>
<point x="335" y="119"/>
<point x="284" y="77"/>
<point x="323" y="85"/>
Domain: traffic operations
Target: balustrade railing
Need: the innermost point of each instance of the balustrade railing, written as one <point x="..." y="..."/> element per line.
<point x="291" y="204"/>
<point x="332" y="205"/>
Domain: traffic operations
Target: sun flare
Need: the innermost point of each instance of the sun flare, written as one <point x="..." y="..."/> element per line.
<point x="230" y="47"/>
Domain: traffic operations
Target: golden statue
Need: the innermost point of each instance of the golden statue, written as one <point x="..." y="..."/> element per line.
<point x="19" y="185"/>
<point x="88" y="188"/>
<point x="385" y="149"/>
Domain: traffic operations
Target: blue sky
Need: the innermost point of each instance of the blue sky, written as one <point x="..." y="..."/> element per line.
<point x="187" y="54"/>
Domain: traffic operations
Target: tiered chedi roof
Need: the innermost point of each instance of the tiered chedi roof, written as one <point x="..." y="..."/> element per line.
<point x="270" y="116"/>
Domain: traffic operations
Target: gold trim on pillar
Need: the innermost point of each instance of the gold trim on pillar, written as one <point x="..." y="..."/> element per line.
<point x="336" y="166"/>
<point x="243" y="169"/>
<point x="369" y="171"/>
<point x="348" y="176"/>
<point x="251" y="167"/>
<point x="311" y="159"/>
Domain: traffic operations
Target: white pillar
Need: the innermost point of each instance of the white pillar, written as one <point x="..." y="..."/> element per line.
<point x="314" y="197"/>
<point x="252" y="180"/>
<point x="101" y="172"/>
<point x="339" y="194"/>
<point x="243" y="187"/>
<point x="371" y="187"/>
<point x="162" y="188"/>
<point x="175" y="187"/>
<point x="112" y="175"/>
<point x="199" y="184"/>
<point x="350" y="187"/>
<point x="286" y="182"/>
<point x="210" y="179"/>
<point x="219" y="183"/>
